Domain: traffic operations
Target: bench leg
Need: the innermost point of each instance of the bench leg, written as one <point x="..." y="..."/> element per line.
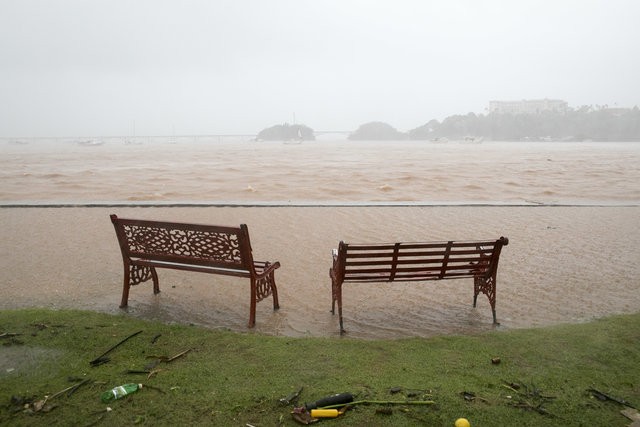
<point x="252" y="305"/>
<point x="156" y="284"/>
<point x="333" y="292"/>
<point x="488" y="287"/>
<point x="125" y="287"/>
<point x="135" y="274"/>
<point x="274" y="290"/>
<point x="260" y="289"/>
<point x="337" y="297"/>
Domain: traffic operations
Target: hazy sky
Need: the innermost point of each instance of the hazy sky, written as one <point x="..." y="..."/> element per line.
<point x="162" y="67"/>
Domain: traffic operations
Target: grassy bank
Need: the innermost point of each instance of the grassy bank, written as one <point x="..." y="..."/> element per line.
<point x="222" y="378"/>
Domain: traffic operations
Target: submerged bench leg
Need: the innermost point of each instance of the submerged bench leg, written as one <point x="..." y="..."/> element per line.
<point x="261" y="288"/>
<point x="252" y="305"/>
<point x="274" y="290"/>
<point x="336" y="296"/>
<point x="125" y="287"/>
<point x="333" y="291"/>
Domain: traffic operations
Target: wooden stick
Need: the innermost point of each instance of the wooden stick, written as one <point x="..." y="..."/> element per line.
<point x="382" y="402"/>
<point x="171" y="359"/>
<point x="100" y="359"/>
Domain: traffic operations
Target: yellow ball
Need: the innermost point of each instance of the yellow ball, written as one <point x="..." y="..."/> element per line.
<point x="462" y="422"/>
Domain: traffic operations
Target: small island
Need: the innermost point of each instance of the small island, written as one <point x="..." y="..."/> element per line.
<point x="377" y="131"/>
<point x="286" y="132"/>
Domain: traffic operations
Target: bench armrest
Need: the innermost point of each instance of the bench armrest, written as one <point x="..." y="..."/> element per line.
<point x="265" y="268"/>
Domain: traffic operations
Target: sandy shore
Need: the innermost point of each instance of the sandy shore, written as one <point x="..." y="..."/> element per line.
<point x="563" y="264"/>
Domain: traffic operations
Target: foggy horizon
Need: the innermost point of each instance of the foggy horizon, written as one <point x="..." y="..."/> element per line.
<point x="117" y="68"/>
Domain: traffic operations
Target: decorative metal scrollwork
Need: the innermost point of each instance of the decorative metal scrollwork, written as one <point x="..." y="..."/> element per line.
<point x="264" y="287"/>
<point x="487" y="286"/>
<point x="139" y="274"/>
<point x="188" y="243"/>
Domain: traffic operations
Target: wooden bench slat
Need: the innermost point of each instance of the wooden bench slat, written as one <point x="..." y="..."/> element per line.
<point x="186" y="260"/>
<point x="432" y="260"/>
<point x="193" y="267"/>
<point x="407" y="254"/>
<point x="355" y="247"/>
<point x="405" y="276"/>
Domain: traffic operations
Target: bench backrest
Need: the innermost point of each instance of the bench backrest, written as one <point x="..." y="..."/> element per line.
<point x="195" y="244"/>
<point x="417" y="261"/>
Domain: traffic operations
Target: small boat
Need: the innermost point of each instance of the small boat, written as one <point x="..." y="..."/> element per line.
<point x="90" y="142"/>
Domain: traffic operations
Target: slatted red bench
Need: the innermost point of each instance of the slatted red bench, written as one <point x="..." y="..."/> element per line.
<point x="395" y="262"/>
<point x="147" y="245"/>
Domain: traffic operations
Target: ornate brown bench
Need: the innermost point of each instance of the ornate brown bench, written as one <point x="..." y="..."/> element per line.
<point x="147" y="245"/>
<point x="395" y="262"/>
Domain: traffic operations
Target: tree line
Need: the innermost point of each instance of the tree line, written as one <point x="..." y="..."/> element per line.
<point x="585" y="123"/>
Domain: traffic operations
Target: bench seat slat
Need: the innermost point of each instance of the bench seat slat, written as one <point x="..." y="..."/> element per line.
<point x="176" y="259"/>
<point x="192" y="267"/>
<point x="449" y="269"/>
<point x="355" y="247"/>
<point x="363" y="262"/>
<point x="416" y="254"/>
<point x="407" y="277"/>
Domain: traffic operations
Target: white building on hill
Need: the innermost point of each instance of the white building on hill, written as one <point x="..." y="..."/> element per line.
<point x="528" y="106"/>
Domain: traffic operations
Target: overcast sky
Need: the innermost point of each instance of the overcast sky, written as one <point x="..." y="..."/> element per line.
<point x="162" y="67"/>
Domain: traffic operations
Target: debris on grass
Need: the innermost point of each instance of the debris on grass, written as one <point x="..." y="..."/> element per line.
<point x="31" y="405"/>
<point x="9" y="335"/>
<point x="302" y="416"/>
<point x="291" y="398"/>
<point x="607" y="397"/>
<point x="384" y="411"/>
<point x="342" y="402"/>
<point x="529" y="398"/>
<point x="74" y="388"/>
<point x="103" y="359"/>
<point x="470" y="396"/>
<point x="412" y="393"/>
<point x="165" y="359"/>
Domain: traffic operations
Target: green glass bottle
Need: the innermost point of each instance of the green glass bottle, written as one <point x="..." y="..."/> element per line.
<point x="119" y="392"/>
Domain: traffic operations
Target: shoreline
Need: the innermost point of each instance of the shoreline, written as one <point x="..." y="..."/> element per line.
<point x="323" y="204"/>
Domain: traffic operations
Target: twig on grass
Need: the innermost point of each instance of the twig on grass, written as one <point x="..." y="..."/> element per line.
<point x="182" y="353"/>
<point x="9" y="335"/>
<point x="102" y="359"/>
<point x="603" y="396"/>
<point x="77" y="386"/>
<point x="381" y="402"/>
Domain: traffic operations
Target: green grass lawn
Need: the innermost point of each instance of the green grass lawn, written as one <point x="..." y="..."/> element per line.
<point x="543" y="378"/>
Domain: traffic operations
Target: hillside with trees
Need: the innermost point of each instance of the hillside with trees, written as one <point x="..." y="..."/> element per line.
<point x="376" y="131"/>
<point x="584" y="123"/>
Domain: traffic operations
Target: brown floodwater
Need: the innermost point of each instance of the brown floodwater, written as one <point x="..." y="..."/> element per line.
<point x="570" y="211"/>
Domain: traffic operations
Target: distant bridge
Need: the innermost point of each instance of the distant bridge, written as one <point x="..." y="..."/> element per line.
<point x="324" y="132"/>
<point x="181" y="136"/>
